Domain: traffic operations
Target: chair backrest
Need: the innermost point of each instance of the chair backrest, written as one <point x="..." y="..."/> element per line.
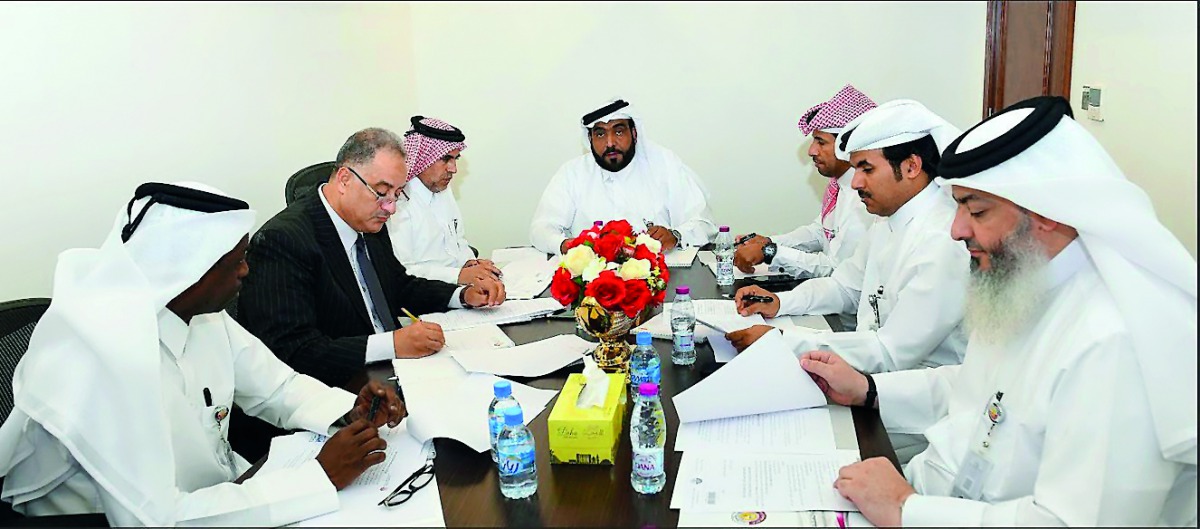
<point x="17" y="320"/>
<point x="306" y="180"/>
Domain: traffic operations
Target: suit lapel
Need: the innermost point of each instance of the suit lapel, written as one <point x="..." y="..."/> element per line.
<point x="335" y="255"/>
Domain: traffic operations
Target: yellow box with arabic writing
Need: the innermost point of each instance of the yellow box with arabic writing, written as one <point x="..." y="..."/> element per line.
<point x="591" y="435"/>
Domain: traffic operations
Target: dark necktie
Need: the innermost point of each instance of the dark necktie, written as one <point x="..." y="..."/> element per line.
<point x="378" y="301"/>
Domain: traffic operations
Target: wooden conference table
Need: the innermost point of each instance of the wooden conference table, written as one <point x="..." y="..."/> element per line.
<point x="590" y="495"/>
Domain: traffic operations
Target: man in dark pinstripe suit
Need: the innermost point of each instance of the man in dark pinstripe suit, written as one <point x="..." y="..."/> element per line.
<point x="327" y="287"/>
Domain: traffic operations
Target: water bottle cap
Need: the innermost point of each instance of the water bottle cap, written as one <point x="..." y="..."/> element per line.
<point x="683" y="289"/>
<point x="724" y="229"/>
<point x="645" y="338"/>
<point x="648" y="389"/>
<point x="598" y="223"/>
<point x="513" y="416"/>
<point x="502" y="388"/>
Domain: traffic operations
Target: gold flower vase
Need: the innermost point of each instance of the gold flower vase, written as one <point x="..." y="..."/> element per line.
<point x="611" y="328"/>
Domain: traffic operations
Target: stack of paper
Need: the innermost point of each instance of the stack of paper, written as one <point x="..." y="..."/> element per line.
<point x="359" y="502"/>
<point x="724" y="351"/>
<point x="681" y="257"/>
<point x="808" y="431"/>
<point x="761" y="482"/>
<point x="529" y="360"/>
<point x="720" y="312"/>
<point x="509" y="312"/>
<point x="503" y="256"/>
<point x="478" y="337"/>
<point x="771" y="519"/>
<point x="528" y="278"/>
<point x="444" y="400"/>
<point x="710" y="260"/>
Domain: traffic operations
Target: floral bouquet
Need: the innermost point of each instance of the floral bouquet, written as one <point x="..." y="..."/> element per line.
<point x="622" y="271"/>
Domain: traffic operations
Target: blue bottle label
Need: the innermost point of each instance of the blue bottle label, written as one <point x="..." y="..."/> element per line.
<point x="495" y="424"/>
<point x="649" y="374"/>
<point x="515" y="463"/>
<point x="684" y="342"/>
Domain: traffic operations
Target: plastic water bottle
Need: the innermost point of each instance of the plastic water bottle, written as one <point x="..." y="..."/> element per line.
<point x="683" y="327"/>
<point x="517" y="457"/>
<point x="647" y="435"/>
<point x="502" y="389"/>
<point x="724" y="251"/>
<point x="644" y="365"/>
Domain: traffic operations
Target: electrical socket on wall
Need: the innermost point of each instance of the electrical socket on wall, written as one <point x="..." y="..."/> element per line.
<point x="1091" y="102"/>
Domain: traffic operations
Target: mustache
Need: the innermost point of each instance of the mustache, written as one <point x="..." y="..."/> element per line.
<point x="612" y="150"/>
<point x="973" y="245"/>
<point x="863" y="195"/>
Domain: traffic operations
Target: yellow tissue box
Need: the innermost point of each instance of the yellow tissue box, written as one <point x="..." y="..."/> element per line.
<point x="587" y="436"/>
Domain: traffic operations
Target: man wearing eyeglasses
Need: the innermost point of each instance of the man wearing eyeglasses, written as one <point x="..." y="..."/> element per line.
<point x="328" y="288"/>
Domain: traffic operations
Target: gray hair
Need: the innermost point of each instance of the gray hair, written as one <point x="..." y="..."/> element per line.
<point x="360" y="147"/>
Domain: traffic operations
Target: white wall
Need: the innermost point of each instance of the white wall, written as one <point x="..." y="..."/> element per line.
<point x="721" y="84"/>
<point x="99" y="98"/>
<point x="1143" y="55"/>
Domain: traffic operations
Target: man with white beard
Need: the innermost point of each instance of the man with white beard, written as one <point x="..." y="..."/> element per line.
<point x="1076" y="403"/>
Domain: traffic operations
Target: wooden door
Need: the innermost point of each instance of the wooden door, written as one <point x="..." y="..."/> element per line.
<point x="1028" y="51"/>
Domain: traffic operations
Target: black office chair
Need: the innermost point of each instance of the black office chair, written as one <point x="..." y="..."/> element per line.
<point x="306" y="180"/>
<point x="17" y="320"/>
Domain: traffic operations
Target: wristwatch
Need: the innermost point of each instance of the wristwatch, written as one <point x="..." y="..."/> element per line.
<point x="677" y="236"/>
<point x="871" y="393"/>
<point x="462" y="297"/>
<point x="768" y="251"/>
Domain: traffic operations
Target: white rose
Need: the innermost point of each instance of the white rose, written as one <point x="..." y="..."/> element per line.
<point x="651" y="243"/>
<point x="593" y="269"/>
<point x="635" y="269"/>
<point x="577" y="259"/>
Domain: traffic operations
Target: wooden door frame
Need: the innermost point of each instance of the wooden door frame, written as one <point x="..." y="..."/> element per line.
<point x="1058" y="47"/>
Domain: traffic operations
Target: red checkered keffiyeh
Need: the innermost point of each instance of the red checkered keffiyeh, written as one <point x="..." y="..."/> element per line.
<point x="846" y="105"/>
<point x="831" y="193"/>
<point x="422" y="150"/>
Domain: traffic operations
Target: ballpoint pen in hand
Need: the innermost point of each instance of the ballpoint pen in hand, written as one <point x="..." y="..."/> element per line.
<point x="751" y="298"/>
<point x="745" y="238"/>
<point x="711" y="326"/>
<point x="375" y="400"/>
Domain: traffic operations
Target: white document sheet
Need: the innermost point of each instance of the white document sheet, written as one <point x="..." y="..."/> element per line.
<point x="503" y="256"/>
<point x="515" y="311"/>
<point x="719" y="312"/>
<point x="764" y="378"/>
<point x="775" y="482"/>
<point x="769" y="519"/>
<point x="783" y="432"/>
<point x="359" y="501"/>
<point x="710" y="260"/>
<point x="529" y="360"/>
<point x="459" y="411"/>
<point x="810" y="321"/>
<point x="527" y="278"/>
<point x="679" y="258"/>
<point x="481" y="337"/>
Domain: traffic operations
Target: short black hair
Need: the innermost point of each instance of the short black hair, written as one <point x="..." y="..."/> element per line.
<point x="923" y="147"/>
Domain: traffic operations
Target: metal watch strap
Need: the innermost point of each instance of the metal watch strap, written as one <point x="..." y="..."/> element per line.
<point x="769" y="255"/>
<point x="678" y="237"/>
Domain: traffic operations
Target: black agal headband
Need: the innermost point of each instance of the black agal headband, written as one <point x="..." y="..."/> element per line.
<point x="180" y="197"/>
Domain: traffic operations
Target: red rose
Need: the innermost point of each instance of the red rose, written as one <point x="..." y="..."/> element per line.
<point x="659" y="297"/>
<point x="620" y="226"/>
<point x="663" y="270"/>
<point x="563" y="288"/>
<point x="608" y="289"/>
<point x="637" y="295"/>
<point x="608" y="245"/>
<point x="642" y="252"/>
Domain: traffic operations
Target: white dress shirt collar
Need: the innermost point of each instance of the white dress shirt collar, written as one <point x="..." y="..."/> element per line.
<point x="915" y="206"/>
<point x="347" y="234"/>
<point x="419" y="193"/>
<point x="847" y="178"/>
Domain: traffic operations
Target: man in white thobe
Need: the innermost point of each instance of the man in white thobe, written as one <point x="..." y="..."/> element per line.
<point x="122" y="400"/>
<point x="427" y="231"/>
<point x="626" y="177"/>
<point x="815" y="249"/>
<point x="1076" y="404"/>
<point x="906" y="281"/>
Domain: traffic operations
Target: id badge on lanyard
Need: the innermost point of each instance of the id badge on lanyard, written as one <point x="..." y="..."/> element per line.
<point x="977" y="465"/>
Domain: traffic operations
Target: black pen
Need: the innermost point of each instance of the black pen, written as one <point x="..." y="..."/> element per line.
<point x="207" y="397"/>
<point x="374" y="408"/>
<point x="751" y="298"/>
<point x="746" y="238"/>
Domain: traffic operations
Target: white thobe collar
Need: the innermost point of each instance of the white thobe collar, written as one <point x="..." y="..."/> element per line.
<point x="417" y="192"/>
<point x="345" y="233"/>
<point x="915" y="206"/>
<point x="1064" y="265"/>
<point x="172" y="332"/>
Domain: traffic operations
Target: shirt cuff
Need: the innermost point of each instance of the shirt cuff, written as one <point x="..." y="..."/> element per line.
<point x="380" y="347"/>
<point x="309" y="493"/>
<point x="790" y="260"/>
<point x="941" y="511"/>
<point x="455" y="298"/>
<point x="903" y="398"/>
<point x="792" y="302"/>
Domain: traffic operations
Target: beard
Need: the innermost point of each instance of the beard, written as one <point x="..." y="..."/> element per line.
<point x="1005" y="299"/>
<point x="626" y="158"/>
